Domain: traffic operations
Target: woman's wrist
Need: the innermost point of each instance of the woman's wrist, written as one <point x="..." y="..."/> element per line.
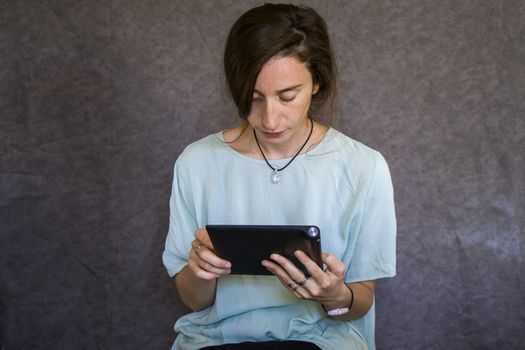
<point x="339" y="307"/>
<point x="195" y="293"/>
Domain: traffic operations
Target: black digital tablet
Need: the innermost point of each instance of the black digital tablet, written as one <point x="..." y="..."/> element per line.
<point x="245" y="246"/>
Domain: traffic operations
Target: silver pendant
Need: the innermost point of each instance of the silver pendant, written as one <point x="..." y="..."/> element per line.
<point x="276" y="177"/>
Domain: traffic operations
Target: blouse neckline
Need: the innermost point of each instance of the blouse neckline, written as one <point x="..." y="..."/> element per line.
<point x="327" y="135"/>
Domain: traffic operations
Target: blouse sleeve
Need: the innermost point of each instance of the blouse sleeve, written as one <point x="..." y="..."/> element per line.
<point x="374" y="255"/>
<point x="182" y="225"/>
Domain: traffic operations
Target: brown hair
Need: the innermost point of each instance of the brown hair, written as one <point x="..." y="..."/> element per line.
<point x="286" y="30"/>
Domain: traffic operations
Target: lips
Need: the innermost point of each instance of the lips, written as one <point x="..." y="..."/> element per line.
<point x="272" y="135"/>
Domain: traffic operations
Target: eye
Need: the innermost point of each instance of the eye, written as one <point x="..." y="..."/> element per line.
<point x="288" y="97"/>
<point x="257" y="98"/>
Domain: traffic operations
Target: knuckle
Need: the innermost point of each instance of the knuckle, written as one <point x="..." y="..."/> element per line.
<point x="324" y="284"/>
<point x="315" y="292"/>
<point x="202" y="275"/>
<point x="206" y="266"/>
<point x="198" y="233"/>
<point x="194" y="268"/>
<point x="340" y="270"/>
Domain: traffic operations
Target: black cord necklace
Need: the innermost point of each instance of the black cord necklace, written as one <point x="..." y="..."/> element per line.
<point x="275" y="175"/>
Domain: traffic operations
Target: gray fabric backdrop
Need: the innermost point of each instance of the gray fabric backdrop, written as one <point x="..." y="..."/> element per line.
<point x="99" y="97"/>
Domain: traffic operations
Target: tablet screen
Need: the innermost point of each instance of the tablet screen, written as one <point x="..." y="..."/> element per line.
<point x="245" y="246"/>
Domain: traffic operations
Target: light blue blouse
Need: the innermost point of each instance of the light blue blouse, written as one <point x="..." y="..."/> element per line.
<point x="341" y="185"/>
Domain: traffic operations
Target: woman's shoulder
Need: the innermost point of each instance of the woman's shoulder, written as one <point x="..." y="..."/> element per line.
<point x="349" y="147"/>
<point x="202" y="147"/>
<point x="353" y="157"/>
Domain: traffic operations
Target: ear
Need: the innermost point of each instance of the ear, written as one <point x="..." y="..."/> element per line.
<point x="316" y="89"/>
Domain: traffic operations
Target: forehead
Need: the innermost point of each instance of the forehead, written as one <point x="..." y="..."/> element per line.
<point x="282" y="72"/>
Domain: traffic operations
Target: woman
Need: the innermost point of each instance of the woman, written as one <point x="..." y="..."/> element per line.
<point x="281" y="166"/>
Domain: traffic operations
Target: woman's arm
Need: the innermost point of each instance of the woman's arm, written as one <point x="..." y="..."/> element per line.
<point x="197" y="281"/>
<point x="194" y="292"/>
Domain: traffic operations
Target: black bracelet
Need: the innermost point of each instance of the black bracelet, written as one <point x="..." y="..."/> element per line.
<point x="351" y="292"/>
<point x="342" y="310"/>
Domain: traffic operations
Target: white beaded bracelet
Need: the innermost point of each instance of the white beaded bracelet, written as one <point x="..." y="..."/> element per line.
<point x="337" y="312"/>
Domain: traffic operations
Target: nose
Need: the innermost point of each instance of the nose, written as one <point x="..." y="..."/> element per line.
<point x="270" y="118"/>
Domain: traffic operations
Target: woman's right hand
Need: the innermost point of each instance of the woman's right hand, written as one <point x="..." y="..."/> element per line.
<point x="203" y="261"/>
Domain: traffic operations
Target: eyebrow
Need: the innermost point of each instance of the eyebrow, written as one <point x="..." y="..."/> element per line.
<point x="282" y="90"/>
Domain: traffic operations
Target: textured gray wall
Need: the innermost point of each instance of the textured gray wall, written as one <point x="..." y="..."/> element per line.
<point x="98" y="98"/>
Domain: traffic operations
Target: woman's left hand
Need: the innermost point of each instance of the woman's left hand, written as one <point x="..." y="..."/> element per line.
<point x="326" y="287"/>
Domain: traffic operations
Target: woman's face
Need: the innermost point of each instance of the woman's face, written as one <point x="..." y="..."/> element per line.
<point x="281" y="99"/>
